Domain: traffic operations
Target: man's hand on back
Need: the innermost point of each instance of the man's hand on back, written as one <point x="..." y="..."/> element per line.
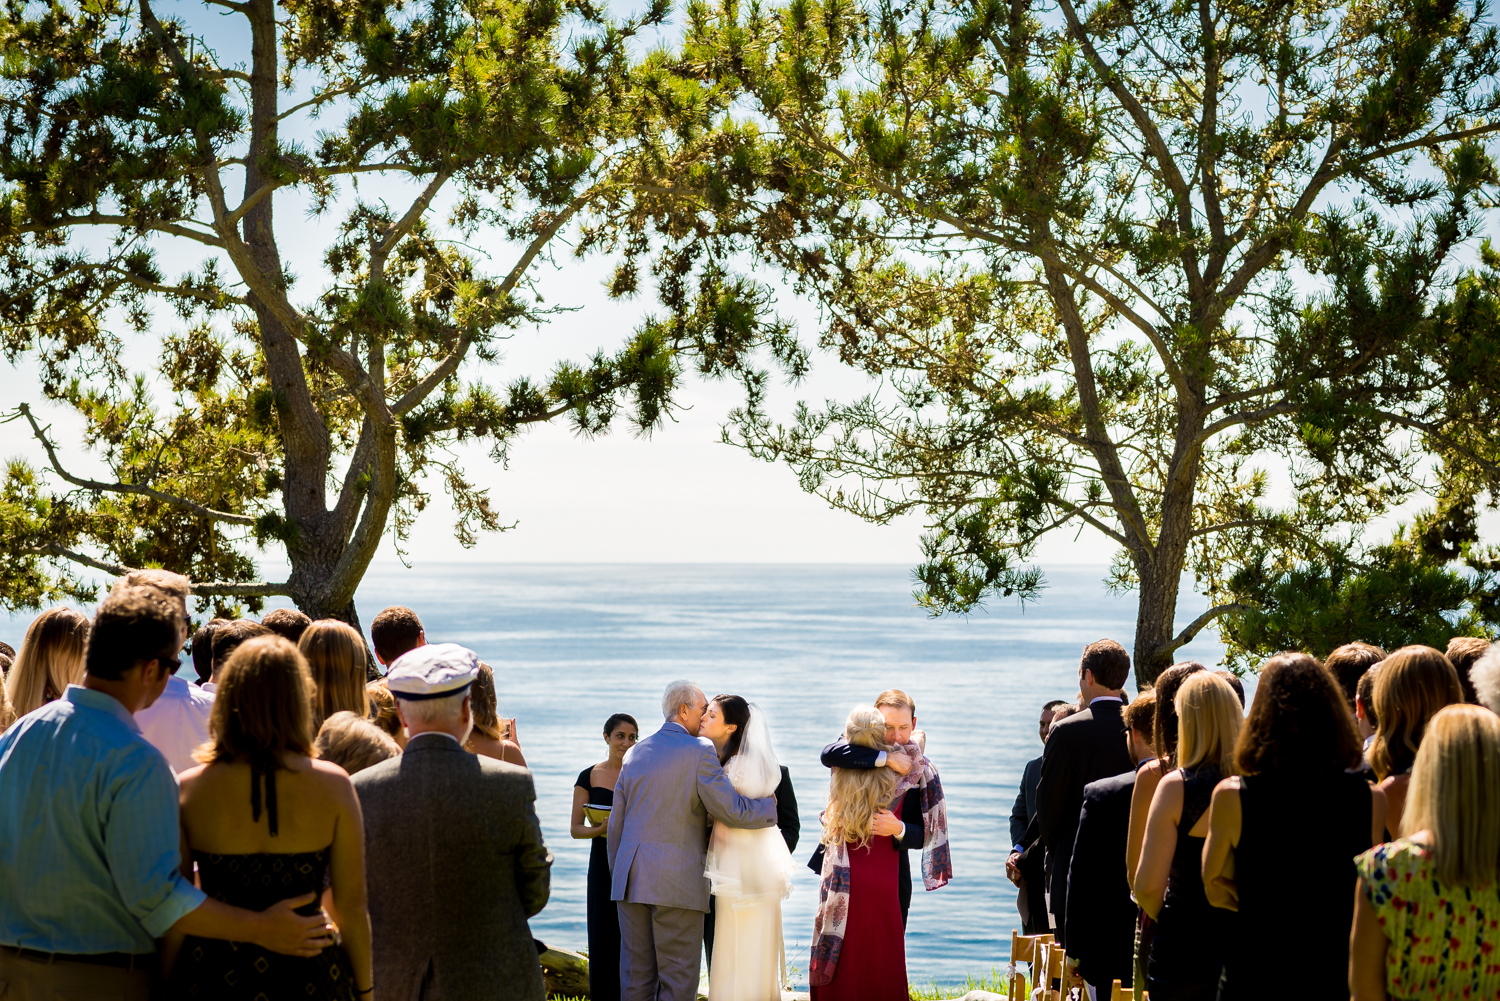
<point x="285" y="931"/>
<point x="886" y="822"/>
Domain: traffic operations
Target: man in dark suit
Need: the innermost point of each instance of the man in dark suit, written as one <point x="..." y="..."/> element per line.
<point x="1024" y="865"/>
<point x="1083" y="748"/>
<point x="453" y="848"/>
<point x="1100" y="921"/>
<point x="906" y="829"/>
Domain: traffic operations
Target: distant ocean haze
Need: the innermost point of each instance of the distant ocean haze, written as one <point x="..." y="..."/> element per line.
<point x="573" y="643"/>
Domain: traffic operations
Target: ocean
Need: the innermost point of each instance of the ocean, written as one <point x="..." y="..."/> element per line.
<point x="571" y="644"/>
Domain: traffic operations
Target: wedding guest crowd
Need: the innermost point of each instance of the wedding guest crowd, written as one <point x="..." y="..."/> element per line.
<point x="285" y="826"/>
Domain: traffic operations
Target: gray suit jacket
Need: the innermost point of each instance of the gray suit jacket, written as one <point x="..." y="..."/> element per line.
<point x="455" y="865"/>
<point x="658" y="830"/>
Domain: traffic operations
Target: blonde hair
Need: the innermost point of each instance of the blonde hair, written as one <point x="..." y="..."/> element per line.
<point x="353" y="743"/>
<point x="1455" y="785"/>
<point x="855" y="795"/>
<point x="50" y="659"/>
<point x="336" y="657"/>
<point x="383" y="708"/>
<point x="1209" y="718"/>
<point x="1413" y="684"/>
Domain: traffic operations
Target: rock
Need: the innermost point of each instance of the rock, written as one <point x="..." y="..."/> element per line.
<point x="566" y="973"/>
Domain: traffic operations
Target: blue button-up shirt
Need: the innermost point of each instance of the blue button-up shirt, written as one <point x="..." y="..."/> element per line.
<point x="90" y="854"/>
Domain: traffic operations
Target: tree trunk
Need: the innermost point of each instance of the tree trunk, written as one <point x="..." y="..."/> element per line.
<point x="1155" y="613"/>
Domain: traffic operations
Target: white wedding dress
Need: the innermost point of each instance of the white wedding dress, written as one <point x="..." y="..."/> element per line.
<point x="751" y="872"/>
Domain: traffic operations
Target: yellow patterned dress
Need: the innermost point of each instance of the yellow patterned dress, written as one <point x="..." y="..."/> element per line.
<point x="1444" y="939"/>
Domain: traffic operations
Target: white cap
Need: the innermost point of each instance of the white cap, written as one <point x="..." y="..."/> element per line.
<point x="434" y="671"/>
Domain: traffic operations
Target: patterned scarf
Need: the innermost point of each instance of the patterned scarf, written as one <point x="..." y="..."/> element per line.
<point x="833" y="895"/>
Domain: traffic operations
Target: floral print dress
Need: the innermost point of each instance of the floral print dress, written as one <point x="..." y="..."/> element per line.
<point x="1443" y="938"/>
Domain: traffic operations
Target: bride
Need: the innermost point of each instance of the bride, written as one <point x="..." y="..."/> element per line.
<point x="751" y="871"/>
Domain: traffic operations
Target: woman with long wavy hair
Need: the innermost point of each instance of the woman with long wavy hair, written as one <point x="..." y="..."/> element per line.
<point x="335" y="654"/>
<point x="859" y="947"/>
<point x="51" y="659"/>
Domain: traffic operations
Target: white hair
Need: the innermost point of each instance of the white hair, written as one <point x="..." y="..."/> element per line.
<point x="677" y="694"/>
<point x="1485" y="677"/>
<point x="433" y="712"/>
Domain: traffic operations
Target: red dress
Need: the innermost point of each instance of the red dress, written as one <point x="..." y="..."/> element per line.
<point x="872" y="961"/>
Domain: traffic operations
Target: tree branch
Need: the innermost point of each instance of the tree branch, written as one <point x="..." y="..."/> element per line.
<point x="258" y="589"/>
<point x="1193" y="628"/>
<point x="126" y="488"/>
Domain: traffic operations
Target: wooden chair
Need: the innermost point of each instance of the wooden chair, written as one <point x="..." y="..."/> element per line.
<point x="1028" y="949"/>
<point x="1118" y="993"/>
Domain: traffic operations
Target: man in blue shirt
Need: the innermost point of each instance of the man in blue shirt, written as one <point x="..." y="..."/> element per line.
<point x="90" y="856"/>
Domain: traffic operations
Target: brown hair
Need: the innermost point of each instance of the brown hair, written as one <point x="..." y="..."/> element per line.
<point x="1455" y="784"/>
<point x="7" y="714"/>
<point x="1414" y="683"/>
<point x="353" y="743"/>
<point x="484" y="707"/>
<point x="51" y="659"/>
<point x="1140" y="715"/>
<point x="395" y="631"/>
<point x="288" y="623"/>
<point x="1365" y="692"/>
<point x="1233" y="681"/>
<point x="203" y="649"/>
<point x="228" y="637"/>
<point x="383" y="707"/>
<point x="1298" y="720"/>
<point x="1164" y="725"/>
<point x="897" y="699"/>
<point x="1349" y="663"/>
<point x="336" y="657"/>
<point x="1462" y="653"/>
<point x="263" y="705"/>
<point x="1107" y="661"/>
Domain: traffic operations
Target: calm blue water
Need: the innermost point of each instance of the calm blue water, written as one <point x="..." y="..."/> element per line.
<point x="571" y="644"/>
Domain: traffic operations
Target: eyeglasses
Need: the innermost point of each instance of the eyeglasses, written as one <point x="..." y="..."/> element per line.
<point x="176" y="662"/>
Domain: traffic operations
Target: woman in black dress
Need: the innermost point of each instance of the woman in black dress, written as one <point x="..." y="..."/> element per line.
<point x="265" y="821"/>
<point x="596" y="787"/>
<point x="1284" y="833"/>
<point x="1191" y="938"/>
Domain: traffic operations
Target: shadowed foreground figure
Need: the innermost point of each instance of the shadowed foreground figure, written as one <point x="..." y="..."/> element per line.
<point x="455" y="856"/>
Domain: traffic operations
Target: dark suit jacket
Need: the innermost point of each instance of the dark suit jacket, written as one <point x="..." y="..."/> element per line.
<point x="455" y="865"/>
<point x="1025" y="805"/>
<point x="842" y="755"/>
<point x="1100" y="919"/>
<point x="787" y="821"/>
<point x="1083" y="748"/>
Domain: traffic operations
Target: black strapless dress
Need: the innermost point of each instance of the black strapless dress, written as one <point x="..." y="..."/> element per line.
<point x="217" y="970"/>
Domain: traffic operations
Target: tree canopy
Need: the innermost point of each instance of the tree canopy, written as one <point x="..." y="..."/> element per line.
<point x="302" y="415"/>
<point x="1113" y="263"/>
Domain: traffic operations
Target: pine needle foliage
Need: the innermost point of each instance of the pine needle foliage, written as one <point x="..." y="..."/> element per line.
<point x="279" y="410"/>
<point x="1113" y="262"/>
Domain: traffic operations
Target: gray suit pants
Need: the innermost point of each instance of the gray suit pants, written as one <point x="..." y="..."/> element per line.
<point x="660" y="948"/>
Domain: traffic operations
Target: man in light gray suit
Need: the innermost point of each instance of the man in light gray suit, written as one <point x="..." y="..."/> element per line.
<point x="658" y="831"/>
<point x="454" y="856"/>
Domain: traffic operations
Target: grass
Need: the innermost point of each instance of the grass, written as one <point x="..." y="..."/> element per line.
<point x="994" y="983"/>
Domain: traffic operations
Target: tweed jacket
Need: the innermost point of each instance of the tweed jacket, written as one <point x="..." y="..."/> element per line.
<point x="455" y="864"/>
<point x="670" y="785"/>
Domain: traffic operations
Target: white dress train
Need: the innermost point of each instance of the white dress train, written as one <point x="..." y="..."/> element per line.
<point x="751" y="873"/>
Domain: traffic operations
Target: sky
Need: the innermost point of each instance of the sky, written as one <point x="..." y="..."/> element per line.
<point x="679" y="495"/>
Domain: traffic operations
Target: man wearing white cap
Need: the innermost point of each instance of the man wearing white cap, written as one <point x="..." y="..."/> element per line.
<point x="455" y="858"/>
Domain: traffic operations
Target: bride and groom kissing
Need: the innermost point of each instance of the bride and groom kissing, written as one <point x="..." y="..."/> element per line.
<point x="660" y="850"/>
